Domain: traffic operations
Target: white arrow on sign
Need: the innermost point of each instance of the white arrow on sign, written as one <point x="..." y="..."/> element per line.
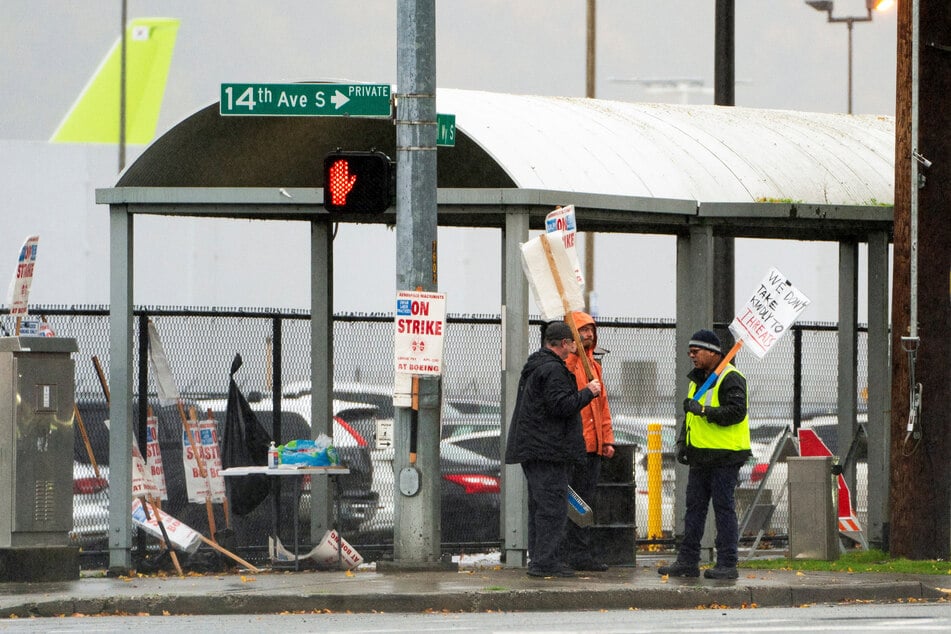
<point x="339" y="99"/>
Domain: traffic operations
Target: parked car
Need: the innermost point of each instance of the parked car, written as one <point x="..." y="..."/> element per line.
<point x="471" y="490"/>
<point x="90" y="506"/>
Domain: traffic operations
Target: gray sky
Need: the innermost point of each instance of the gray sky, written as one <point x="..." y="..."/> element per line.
<point x="787" y="57"/>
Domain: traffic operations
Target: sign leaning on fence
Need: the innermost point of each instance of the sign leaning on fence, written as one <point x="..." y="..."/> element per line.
<point x="18" y="298"/>
<point x="209" y="485"/>
<point x="420" y="331"/>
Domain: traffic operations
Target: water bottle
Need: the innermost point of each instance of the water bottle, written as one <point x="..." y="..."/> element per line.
<point x="272" y="456"/>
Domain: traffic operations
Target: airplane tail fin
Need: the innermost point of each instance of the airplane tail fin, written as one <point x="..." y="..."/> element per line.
<point x="94" y="118"/>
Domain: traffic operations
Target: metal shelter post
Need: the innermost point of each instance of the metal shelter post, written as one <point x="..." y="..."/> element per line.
<point x="120" y="407"/>
<point x="694" y="311"/>
<point x="515" y="347"/>
<point x="848" y="352"/>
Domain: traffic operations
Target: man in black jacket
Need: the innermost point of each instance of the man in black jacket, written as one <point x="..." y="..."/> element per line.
<point x="545" y="438"/>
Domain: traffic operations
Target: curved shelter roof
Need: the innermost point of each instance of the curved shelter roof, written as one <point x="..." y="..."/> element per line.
<point x="704" y="153"/>
<point x="613" y="160"/>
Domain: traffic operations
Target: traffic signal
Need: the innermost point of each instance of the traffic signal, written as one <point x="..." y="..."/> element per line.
<point x="357" y="182"/>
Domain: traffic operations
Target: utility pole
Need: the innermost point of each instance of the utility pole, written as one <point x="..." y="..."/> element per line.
<point x="591" y="48"/>
<point x="920" y="447"/>
<point x="724" y="85"/>
<point x="417" y="537"/>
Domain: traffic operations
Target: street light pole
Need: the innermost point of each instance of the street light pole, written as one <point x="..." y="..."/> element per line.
<point x="870" y="5"/>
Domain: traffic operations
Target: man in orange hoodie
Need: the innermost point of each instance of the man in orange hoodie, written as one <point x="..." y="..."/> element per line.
<point x="599" y="443"/>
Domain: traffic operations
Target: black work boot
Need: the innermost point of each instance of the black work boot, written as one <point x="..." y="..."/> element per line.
<point x="678" y="569"/>
<point x="721" y="572"/>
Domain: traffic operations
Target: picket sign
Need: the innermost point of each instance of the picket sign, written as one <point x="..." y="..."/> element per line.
<point x="153" y="456"/>
<point x="143" y="485"/>
<point x="182" y="536"/>
<point x="770" y="311"/>
<point x="208" y="483"/>
<point x="192" y="436"/>
<point x="563" y="219"/>
<point x="551" y="276"/>
<point x="18" y="296"/>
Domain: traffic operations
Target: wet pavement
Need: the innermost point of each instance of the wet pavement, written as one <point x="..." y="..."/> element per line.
<point x="473" y="587"/>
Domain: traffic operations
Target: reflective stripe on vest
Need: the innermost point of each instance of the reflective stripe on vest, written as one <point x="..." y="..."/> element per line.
<point x="704" y="434"/>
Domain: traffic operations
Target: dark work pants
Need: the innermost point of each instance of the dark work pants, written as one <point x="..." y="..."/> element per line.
<point x="583" y="479"/>
<point x="547" y="512"/>
<point x="705" y="484"/>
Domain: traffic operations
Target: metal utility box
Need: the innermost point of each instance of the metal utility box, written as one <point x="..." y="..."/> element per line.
<point x="36" y="441"/>
<point x="813" y="521"/>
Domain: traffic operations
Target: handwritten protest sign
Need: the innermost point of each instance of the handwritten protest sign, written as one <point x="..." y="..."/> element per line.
<point x="769" y="313"/>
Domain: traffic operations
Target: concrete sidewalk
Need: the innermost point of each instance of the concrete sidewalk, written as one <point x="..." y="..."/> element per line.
<point x="472" y="588"/>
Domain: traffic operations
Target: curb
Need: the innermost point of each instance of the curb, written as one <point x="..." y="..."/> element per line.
<point x="555" y="599"/>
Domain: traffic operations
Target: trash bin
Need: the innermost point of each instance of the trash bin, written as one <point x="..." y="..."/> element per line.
<point x="615" y="532"/>
<point x="36" y="459"/>
<point x="813" y="525"/>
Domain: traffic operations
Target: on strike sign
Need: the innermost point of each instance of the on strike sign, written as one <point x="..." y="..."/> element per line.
<point x="18" y="297"/>
<point x="420" y="331"/>
<point x="563" y="219"/>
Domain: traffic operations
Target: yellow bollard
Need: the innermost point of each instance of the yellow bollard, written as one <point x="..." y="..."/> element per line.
<point x="654" y="484"/>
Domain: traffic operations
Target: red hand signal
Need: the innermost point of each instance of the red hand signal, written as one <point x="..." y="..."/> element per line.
<point x="341" y="182"/>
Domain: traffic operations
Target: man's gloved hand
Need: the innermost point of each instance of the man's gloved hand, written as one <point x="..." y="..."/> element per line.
<point x="693" y="407"/>
<point x="682" y="454"/>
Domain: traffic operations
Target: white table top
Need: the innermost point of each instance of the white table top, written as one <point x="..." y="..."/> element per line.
<point x="286" y="470"/>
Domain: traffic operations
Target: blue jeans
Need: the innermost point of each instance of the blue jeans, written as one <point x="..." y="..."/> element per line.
<point x="547" y="512"/>
<point x="705" y="484"/>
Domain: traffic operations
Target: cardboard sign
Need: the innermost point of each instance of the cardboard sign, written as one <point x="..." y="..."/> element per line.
<point x="420" y="325"/>
<point x="552" y="282"/>
<point x="769" y="313"/>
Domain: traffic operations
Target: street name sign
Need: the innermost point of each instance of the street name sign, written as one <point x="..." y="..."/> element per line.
<point x="446" y="130"/>
<point x="305" y="100"/>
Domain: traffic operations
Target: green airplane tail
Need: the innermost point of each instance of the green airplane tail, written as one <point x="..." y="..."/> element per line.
<point x="94" y="118"/>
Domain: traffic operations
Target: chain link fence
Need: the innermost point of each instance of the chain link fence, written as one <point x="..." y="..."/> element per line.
<point x="639" y="370"/>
